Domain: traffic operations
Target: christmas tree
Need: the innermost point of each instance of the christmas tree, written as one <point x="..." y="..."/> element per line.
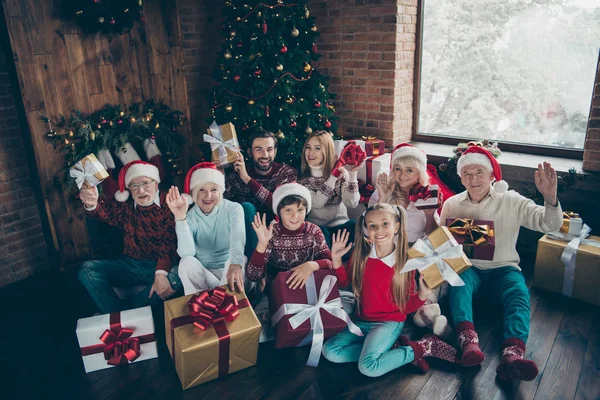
<point x="267" y="77"/>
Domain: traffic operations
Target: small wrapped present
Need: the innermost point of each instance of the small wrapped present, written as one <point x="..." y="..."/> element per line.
<point x="439" y="258"/>
<point x="211" y="334"/>
<point x="223" y="142"/>
<point x="572" y="223"/>
<point x="373" y="146"/>
<point x="569" y="264"/>
<point x="425" y="197"/>
<point x="340" y="145"/>
<point x="366" y="191"/>
<point x="301" y="317"/>
<point x="88" y="172"/>
<point x="374" y="166"/>
<point x="476" y="236"/>
<point x="118" y="338"/>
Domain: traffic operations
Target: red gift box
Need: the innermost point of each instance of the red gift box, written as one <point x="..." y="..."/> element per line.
<point x="373" y="146"/>
<point x="476" y="236"/>
<point x="289" y="306"/>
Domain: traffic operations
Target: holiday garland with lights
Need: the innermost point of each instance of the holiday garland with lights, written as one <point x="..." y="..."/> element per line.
<point x="112" y="128"/>
<point x="104" y="15"/>
<point x="266" y="74"/>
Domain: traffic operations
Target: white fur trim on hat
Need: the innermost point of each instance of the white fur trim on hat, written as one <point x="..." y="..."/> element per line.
<point x="202" y="176"/>
<point x="138" y="170"/>
<point x="289" y="189"/>
<point x="472" y="159"/>
<point x="409" y="151"/>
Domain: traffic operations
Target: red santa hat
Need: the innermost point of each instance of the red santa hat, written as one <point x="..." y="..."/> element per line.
<point x="476" y="155"/>
<point x="131" y="171"/>
<point x="405" y="150"/>
<point x="199" y="175"/>
<point x="289" y="189"/>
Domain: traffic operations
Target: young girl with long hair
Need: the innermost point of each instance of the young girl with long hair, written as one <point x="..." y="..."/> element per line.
<point x="384" y="296"/>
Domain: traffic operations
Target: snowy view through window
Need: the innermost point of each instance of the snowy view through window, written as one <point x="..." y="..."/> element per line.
<point x="509" y="70"/>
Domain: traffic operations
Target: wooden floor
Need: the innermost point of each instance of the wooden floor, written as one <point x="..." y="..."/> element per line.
<point x="40" y="359"/>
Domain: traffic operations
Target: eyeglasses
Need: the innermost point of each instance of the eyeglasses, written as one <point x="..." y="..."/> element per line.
<point x="135" y="187"/>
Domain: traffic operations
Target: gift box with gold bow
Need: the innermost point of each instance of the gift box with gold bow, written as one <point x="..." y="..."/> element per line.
<point x="476" y="236"/>
<point x="438" y="257"/>
<point x="118" y="338"/>
<point x="88" y="172"/>
<point x="211" y="334"/>
<point x="373" y="146"/>
<point x="572" y="223"/>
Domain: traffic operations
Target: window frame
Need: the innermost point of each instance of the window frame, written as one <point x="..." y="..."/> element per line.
<point x="542" y="150"/>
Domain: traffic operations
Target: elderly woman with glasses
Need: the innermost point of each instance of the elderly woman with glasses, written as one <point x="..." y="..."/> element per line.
<point x="150" y="242"/>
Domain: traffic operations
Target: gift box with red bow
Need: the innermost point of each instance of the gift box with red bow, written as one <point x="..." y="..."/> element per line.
<point x="425" y="197"/>
<point x="476" y="236"/>
<point x="118" y="338"/>
<point x="310" y="315"/>
<point x="374" y="166"/>
<point x="210" y="335"/>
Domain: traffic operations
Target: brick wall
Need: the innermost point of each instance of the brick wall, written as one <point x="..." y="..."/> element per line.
<point x="23" y="248"/>
<point x="367" y="48"/>
<point x="591" y="154"/>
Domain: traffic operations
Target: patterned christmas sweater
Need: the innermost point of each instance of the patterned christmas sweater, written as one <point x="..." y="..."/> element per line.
<point x="288" y="249"/>
<point x="331" y="197"/>
<point x="260" y="188"/>
<point x="149" y="232"/>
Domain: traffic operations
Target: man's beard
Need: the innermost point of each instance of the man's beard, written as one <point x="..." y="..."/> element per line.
<point x="263" y="168"/>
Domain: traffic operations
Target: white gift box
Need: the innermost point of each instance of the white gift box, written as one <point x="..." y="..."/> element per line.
<point x="338" y="146"/>
<point x="374" y="166"/>
<point x="432" y="202"/>
<point x="90" y="330"/>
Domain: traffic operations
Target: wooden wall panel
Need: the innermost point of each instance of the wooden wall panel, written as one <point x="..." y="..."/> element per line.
<point x="59" y="69"/>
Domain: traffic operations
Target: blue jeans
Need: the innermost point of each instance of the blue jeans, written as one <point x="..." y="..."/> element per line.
<point x="100" y="276"/>
<point x="328" y="232"/>
<point x="372" y="351"/>
<point x="505" y="285"/>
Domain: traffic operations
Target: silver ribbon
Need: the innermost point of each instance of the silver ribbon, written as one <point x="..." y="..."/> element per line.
<point x="216" y="142"/>
<point x="312" y="311"/>
<point x="85" y="169"/>
<point x="568" y="256"/>
<point x="449" y="249"/>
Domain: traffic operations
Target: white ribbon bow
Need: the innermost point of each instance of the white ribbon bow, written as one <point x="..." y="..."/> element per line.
<point x="311" y="311"/>
<point x="568" y="255"/>
<point x="216" y="142"/>
<point x="449" y="249"/>
<point x="84" y="170"/>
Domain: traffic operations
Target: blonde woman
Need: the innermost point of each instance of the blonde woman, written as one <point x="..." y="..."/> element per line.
<point x="332" y="191"/>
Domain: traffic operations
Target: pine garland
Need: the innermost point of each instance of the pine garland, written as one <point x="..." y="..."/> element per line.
<point x="104" y="16"/>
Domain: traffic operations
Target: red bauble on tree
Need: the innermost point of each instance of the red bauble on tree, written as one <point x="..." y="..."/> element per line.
<point x="236" y="78"/>
<point x="283" y="49"/>
<point x="264" y="28"/>
<point x="317" y="104"/>
<point x="327" y="124"/>
<point x="257" y="72"/>
<point x="293" y="124"/>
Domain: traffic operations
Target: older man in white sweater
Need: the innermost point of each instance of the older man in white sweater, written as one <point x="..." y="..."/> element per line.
<point x="500" y="278"/>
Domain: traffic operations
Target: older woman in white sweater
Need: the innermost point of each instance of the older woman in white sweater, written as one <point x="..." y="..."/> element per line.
<point x="332" y="191"/>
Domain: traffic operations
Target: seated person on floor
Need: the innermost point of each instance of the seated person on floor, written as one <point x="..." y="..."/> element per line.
<point x="501" y="278"/>
<point x="149" y="242"/>
<point x="210" y="236"/>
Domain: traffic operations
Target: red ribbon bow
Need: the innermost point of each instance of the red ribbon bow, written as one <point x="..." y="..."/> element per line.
<point x="213" y="306"/>
<point x="419" y="193"/>
<point x="352" y="154"/>
<point x="120" y="348"/>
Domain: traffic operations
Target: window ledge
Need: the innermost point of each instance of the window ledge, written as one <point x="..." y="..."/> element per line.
<point x="523" y="160"/>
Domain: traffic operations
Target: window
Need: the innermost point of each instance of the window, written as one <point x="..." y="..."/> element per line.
<point x="514" y="71"/>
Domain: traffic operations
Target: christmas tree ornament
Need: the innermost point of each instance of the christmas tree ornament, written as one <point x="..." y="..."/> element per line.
<point x="119" y="121"/>
<point x="227" y="55"/>
<point x="267" y="111"/>
<point x="293" y="124"/>
<point x="259" y="14"/>
<point x="314" y="48"/>
<point x="121" y="113"/>
<point x="99" y="126"/>
<point x="236" y="78"/>
<point x="295" y="32"/>
<point x="307" y="68"/>
<point x="153" y="137"/>
<point x="257" y="72"/>
<point x="228" y="108"/>
<point x="306" y="13"/>
<point x="112" y="22"/>
<point x="232" y="33"/>
<point x="283" y="49"/>
<point x="251" y="102"/>
<point x="317" y="104"/>
<point x="280" y="135"/>
<point x="93" y="135"/>
<point x="71" y="134"/>
<point x="308" y="130"/>
<point x="264" y="28"/>
<point x="66" y="141"/>
<point x="279" y="67"/>
<point x="327" y="124"/>
<point x="314" y="28"/>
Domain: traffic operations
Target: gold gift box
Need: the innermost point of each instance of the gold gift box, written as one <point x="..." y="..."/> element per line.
<point x="431" y="274"/>
<point x="550" y="270"/>
<point x="90" y="163"/>
<point x="196" y="352"/>
<point x="228" y="132"/>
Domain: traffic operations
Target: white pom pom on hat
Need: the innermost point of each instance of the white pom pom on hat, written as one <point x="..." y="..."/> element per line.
<point x="199" y="175"/>
<point x="288" y="189"/>
<point x="132" y="170"/>
<point x="481" y="156"/>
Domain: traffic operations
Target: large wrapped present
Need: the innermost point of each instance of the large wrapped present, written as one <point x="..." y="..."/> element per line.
<point x="425" y="197"/>
<point x="438" y="257"/>
<point x="211" y="334"/>
<point x="572" y="223"/>
<point x="223" y="142"/>
<point x="374" y="166"/>
<point x="310" y="315"/>
<point x="569" y="265"/>
<point x="118" y="338"/>
<point x="88" y="172"/>
<point x="476" y="236"/>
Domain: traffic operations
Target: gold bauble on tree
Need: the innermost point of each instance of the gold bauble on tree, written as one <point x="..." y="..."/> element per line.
<point x="307" y="68"/>
<point x="308" y="130"/>
<point x="228" y="108"/>
<point x="295" y="32"/>
<point x="314" y="28"/>
<point x="280" y="135"/>
<point x="251" y="102"/>
<point x="227" y="55"/>
<point x="279" y="67"/>
<point x="232" y="33"/>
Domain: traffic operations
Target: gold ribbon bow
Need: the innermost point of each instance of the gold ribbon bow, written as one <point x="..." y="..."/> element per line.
<point x="476" y="234"/>
<point x="368" y="138"/>
<point x="570" y="214"/>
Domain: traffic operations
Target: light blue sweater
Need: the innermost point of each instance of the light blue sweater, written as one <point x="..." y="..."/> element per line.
<point x="215" y="237"/>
